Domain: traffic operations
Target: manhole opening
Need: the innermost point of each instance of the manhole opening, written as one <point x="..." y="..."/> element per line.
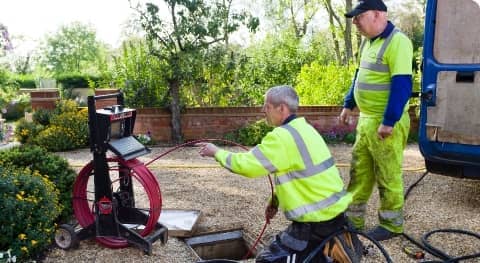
<point x="227" y="245"/>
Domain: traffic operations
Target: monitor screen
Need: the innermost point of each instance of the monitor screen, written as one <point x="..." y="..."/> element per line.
<point x="116" y="129"/>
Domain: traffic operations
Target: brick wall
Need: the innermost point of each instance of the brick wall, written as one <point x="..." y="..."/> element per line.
<point x="215" y="122"/>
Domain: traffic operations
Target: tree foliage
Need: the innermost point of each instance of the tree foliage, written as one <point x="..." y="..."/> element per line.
<point x="193" y="27"/>
<point x="5" y="45"/>
<point x="275" y="61"/>
<point x="73" y="48"/>
<point x="139" y="75"/>
<point x="293" y="15"/>
<point x="410" y="19"/>
<point x="320" y="84"/>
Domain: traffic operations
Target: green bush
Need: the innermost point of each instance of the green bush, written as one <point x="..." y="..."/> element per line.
<point x="64" y="128"/>
<point x="338" y="134"/>
<point x="68" y="130"/>
<point x="17" y="106"/>
<point x="25" y="131"/>
<point x="63" y="106"/>
<point x="320" y="84"/>
<point x="25" y="81"/>
<point x="42" y="116"/>
<point x="251" y="134"/>
<point x="145" y="139"/>
<point x="77" y="80"/>
<point x="12" y="104"/>
<point x="29" y="208"/>
<point x="49" y="165"/>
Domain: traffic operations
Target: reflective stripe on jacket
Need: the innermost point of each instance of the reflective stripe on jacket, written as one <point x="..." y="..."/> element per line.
<point x="380" y="60"/>
<point x="307" y="182"/>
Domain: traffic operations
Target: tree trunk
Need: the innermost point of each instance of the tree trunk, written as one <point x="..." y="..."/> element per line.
<point x="174" y="90"/>
<point x="333" y="29"/>
<point x="348" y="34"/>
<point x="359" y="43"/>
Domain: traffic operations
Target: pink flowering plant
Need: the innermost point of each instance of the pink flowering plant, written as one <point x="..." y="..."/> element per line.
<point x="338" y="134"/>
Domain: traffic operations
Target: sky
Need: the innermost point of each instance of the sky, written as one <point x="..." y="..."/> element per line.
<point x="34" y="18"/>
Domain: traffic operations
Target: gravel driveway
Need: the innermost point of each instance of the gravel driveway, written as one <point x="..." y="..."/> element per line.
<point x="188" y="181"/>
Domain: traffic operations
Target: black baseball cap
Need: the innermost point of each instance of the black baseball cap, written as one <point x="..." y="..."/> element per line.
<point x="365" y="5"/>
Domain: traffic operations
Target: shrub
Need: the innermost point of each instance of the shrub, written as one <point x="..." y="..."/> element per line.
<point x="320" y="84"/>
<point x="339" y="134"/>
<point x="50" y="165"/>
<point x="25" y="81"/>
<point x="29" y="207"/>
<point x="17" y="106"/>
<point x="63" y="106"/>
<point x="12" y="104"/>
<point x="67" y="131"/>
<point x="77" y="80"/>
<point x="26" y="131"/>
<point x="251" y="134"/>
<point x="64" y="128"/>
<point x="42" y="116"/>
<point x="145" y="139"/>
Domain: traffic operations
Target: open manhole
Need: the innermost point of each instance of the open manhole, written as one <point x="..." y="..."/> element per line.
<point x="222" y="246"/>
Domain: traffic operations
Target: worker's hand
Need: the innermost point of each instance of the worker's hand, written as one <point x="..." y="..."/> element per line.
<point x="208" y="149"/>
<point x="344" y="117"/>
<point x="384" y="131"/>
<point x="270" y="211"/>
<point x="272" y="208"/>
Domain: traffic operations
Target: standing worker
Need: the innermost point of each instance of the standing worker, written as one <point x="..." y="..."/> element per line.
<point x="381" y="89"/>
<point x="308" y="187"/>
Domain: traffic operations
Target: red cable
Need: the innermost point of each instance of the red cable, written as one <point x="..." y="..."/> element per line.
<point x="267" y="221"/>
<point x="85" y="215"/>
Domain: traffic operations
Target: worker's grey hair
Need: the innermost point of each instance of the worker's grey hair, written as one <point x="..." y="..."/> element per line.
<point x="283" y="94"/>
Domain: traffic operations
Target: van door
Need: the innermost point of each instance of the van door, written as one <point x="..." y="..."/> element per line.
<point x="449" y="135"/>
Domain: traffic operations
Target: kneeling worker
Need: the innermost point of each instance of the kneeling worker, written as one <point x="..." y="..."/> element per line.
<point x="308" y="187"/>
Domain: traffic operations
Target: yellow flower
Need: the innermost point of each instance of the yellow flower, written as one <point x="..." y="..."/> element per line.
<point x="22" y="236"/>
<point x="24" y="249"/>
<point x="19" y="197"/>
<point x="34" y="242"/>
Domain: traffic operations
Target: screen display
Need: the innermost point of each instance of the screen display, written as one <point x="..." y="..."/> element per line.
<point x="116" y="129"/>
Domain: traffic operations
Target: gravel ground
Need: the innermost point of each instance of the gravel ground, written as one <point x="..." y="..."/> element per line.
<point x="227" y="201"/>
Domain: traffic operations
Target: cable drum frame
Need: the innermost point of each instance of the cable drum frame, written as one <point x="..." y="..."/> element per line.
<point x="85" y="214"/>
<point x="109" y="217"/>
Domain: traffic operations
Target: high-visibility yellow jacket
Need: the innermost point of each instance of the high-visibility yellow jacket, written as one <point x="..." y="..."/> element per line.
<point x="307" y="182"/>
<point x="380" y="60"/>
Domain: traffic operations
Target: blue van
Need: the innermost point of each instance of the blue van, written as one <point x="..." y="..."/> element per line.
<point x="449" y="134"/>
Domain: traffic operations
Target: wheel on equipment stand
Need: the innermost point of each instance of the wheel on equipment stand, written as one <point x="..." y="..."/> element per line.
<point x="146" y="191"/>
<point x="65" y="237"/>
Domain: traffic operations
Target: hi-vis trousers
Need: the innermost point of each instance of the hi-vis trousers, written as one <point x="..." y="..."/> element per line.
<point x="378" y="162"/>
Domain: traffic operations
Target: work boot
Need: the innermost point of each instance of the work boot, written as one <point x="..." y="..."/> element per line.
<point x="379" y="233"/>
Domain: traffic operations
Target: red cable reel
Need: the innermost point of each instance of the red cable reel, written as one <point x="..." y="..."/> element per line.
<point x="83" y="197"/>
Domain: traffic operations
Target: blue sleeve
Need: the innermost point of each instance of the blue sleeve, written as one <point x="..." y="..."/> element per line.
<point x="349" y="100"/>
<point x="401" y="90"/>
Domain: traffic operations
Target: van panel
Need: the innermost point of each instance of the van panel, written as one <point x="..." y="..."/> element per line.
<point x="449" y="130"/>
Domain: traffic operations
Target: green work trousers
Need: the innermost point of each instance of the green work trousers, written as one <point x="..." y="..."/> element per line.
<point x="376" y="161"/>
